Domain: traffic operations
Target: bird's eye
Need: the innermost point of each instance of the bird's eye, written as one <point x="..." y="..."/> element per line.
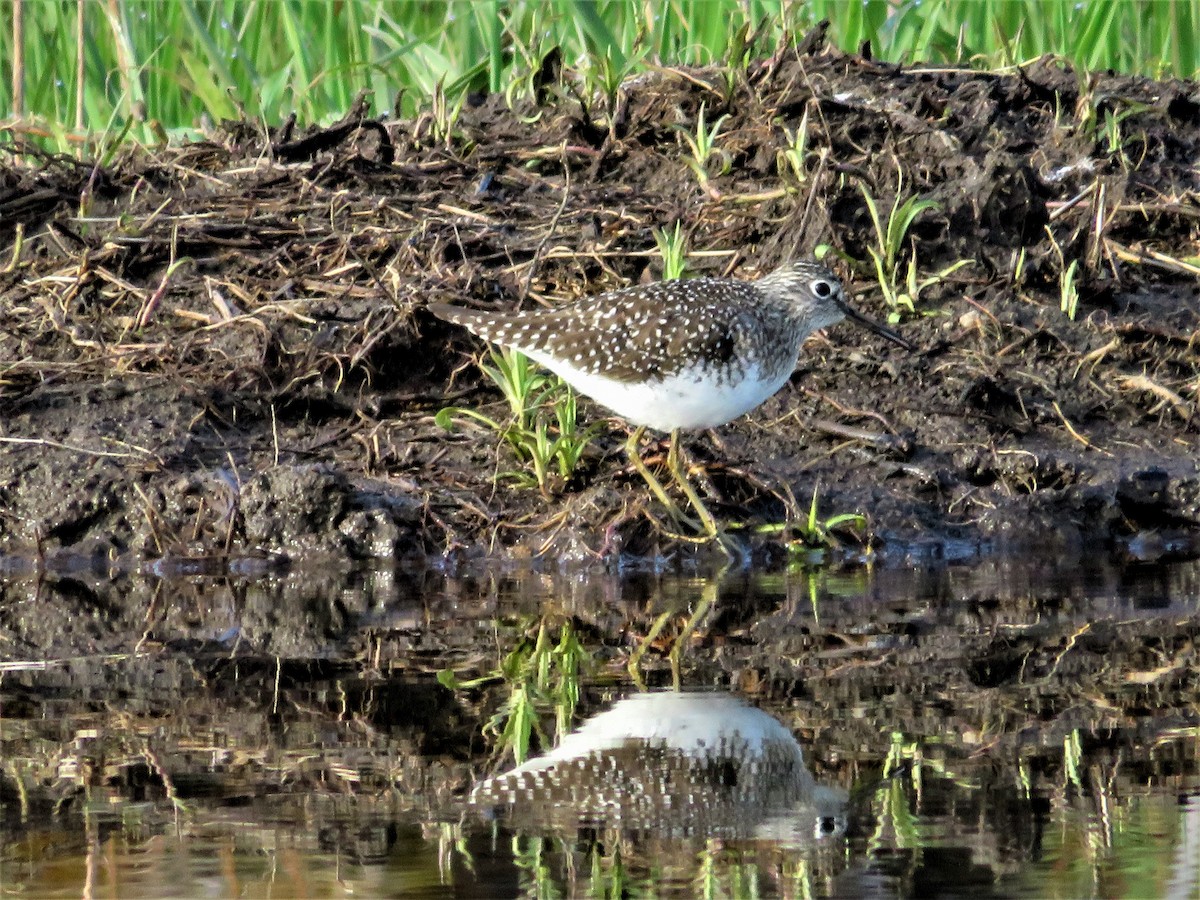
<point x="822" y="288"/>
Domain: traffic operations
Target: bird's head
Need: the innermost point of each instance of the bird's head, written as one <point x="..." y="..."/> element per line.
<point x="815" y="296"/>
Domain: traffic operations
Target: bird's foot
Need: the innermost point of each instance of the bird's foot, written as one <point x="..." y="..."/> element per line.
<point x="656" y="487"/>
<point x="704" y="531"/>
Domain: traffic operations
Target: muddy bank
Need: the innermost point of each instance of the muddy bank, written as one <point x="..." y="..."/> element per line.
<point x="221" y="350"/>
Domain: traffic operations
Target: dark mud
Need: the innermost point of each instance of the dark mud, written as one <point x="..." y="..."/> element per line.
<point x="220" y="351"/>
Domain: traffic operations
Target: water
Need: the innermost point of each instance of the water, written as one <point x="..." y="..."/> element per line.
<point x="995" y="729"/>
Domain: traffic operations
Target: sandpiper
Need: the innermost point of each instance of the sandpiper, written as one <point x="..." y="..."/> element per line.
<point x="691" y="353"/>
<point x="704" y="763"/>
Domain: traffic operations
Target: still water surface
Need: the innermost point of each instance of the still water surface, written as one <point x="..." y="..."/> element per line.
<point x="994" y="729"/>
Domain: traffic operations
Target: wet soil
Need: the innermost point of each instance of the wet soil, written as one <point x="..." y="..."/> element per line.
<point x="221" y="350"/>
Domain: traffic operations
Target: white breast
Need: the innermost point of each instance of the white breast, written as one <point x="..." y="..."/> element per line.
<point x="693" y="398"/>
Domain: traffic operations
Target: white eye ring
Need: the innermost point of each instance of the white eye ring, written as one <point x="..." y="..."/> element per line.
<point x="821" y="288"/>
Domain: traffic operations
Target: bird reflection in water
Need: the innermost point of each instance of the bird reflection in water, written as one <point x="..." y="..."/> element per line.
<point x="693" y="764"/>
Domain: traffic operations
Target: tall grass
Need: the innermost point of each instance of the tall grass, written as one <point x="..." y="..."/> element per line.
<point x="173" y="61"/>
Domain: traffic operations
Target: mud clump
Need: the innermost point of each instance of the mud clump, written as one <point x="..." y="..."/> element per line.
<point x="221" y="349"/>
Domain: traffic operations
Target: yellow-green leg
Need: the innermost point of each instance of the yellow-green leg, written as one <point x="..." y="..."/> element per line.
<point x="712" y="531"/>
<point x="708" y="524"/>
<point x="656" y="488"/>
<point x="685" y="484"/>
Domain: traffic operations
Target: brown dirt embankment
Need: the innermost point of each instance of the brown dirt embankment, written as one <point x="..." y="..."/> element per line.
<point x="221" y="349"/>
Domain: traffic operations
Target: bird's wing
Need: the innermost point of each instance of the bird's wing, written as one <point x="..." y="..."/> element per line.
<point x="639" y="332"/>
<point x="685" y="325"/>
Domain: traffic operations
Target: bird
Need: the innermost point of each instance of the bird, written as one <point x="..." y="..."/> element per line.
<point x="679" y="354"/>
<point x="676" y="763"/>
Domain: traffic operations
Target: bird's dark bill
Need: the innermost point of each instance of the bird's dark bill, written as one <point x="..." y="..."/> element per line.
<point x="877" y="327"/>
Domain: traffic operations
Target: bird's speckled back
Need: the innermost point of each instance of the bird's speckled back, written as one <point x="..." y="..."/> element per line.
<point x="718" y="325"/>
